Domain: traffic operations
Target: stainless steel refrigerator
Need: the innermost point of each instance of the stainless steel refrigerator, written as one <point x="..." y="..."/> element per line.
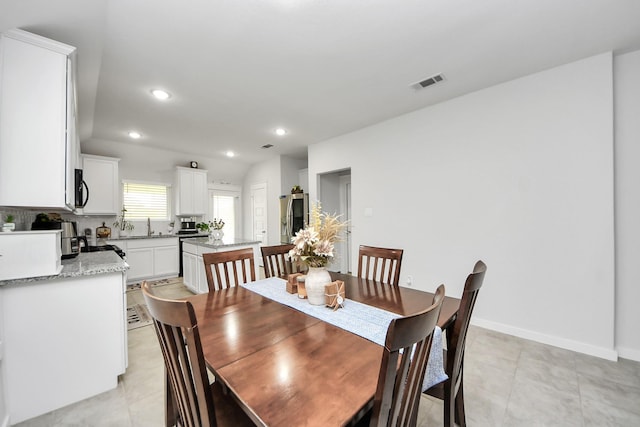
<point x="294" y="215"/>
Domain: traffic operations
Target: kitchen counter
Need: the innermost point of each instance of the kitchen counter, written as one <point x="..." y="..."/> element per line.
<point x="194" y="275"/>
<point x="85" y="264"/>
<point x="67" y="330"/>
<point x="158" y="236"/>
<point x="226" y="243"/>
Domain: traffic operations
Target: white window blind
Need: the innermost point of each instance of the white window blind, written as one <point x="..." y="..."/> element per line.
<point x="144" y="201"/>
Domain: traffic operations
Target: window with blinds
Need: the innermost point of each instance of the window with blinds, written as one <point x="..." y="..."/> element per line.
<point x="144" y="201"/>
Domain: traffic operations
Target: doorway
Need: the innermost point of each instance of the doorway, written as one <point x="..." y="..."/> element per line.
<point x="225" y="205"/>
<point x="259" y="213"/>
<point x="335" y="196"/>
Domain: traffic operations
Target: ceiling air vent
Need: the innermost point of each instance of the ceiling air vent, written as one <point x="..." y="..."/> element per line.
<point x="267" y="146"/>
<point x="430" y="81"/>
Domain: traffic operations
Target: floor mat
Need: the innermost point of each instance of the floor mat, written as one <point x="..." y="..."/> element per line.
<point x="138" y="316"/>
<point x="155" y="283"/>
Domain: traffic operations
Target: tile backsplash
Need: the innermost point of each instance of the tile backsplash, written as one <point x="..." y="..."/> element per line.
<point x="86" y="224"/>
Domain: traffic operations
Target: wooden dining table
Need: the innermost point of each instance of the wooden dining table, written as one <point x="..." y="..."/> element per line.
<point x="286" y="368"/>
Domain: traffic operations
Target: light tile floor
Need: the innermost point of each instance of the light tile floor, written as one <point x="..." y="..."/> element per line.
<point x="508" y="382"/>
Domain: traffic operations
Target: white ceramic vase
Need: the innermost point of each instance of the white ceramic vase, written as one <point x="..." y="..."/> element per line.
<point x="216" y="234"/>
<point x="317" y="278"/>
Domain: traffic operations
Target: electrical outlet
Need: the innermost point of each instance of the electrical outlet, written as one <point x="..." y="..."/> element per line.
<point x="409" y="280"/>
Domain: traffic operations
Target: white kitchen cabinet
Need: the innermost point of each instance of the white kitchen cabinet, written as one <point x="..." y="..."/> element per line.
<point x="101" y="175"/>
<point x="140" y="262"/>
<point x="153" y="258"/>
<point x="191" y="191"/>
<point x="194" y="274"/>
<point x="65" y="340"/>
<point x="38" y="141"/>
<point x="165" y="260"/>
<point x="190" y="271"/>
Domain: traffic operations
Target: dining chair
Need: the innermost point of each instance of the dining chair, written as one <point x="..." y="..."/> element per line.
<point x="191" y="401"/>
<point x="404" y="359"/>
<point x="277" y="262"/>
<point x="451" y="391"/>
<point x="380" y="264"/>
<point x="224" y="263"/>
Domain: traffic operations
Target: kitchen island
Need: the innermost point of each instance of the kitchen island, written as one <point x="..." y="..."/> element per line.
<point x="64" y="337"/>
<point x="194" y="276"/>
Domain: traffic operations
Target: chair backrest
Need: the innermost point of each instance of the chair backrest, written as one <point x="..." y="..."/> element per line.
<point x="380" y="264"/>
<point x="404" y="360"/>
<point x="177" y="329"/>
<point x="461" y="325"/>
<point x="224" y="263"/>
<point x="277" y="262"/>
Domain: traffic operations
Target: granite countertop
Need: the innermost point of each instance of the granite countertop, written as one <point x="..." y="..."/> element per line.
<point x="85" y="264"/>
<point x="224" y="243"/>
<point x="158" y="236"/>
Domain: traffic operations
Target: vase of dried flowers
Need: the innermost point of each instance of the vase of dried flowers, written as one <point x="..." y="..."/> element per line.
<point x="314" y="246"/>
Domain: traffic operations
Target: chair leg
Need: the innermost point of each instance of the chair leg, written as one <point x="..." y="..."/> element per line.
<point x="448" y="406"/>
<point x="459" y="407"/>
<point x="170" y="409"/>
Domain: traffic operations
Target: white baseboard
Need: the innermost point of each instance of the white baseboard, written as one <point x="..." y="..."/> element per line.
<point x="629" y="353"/>
<point x="580" y="347"/>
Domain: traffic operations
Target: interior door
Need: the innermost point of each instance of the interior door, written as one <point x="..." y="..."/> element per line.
<point x="345" y="209"/>
<point x="259" y="213"/>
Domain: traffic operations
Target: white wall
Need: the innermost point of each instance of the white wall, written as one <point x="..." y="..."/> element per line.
<point x="290" y="174"/>
<point x="627" y="206"/>
<point x="519" y="175"/>
<point x="280" y="173"/>
<point x="156" y="165"/>
<point x="266" y="172"/>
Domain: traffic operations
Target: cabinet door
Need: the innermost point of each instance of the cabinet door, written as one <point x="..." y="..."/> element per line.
<point x="33" y="116"/>
<point x="101" y="176"/>
<point x="203" y="286"/>
<point x="140" y="263"/>
<point x="191" y="186"/>
<point x="165" y="260"/>
<point x="199" y="196"/>
<point x="189" y="277"/>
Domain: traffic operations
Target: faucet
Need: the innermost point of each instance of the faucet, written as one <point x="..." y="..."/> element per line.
<point x="149" y="232"/>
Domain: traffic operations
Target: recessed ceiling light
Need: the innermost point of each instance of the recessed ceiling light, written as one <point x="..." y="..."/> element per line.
<point x="161" y="94"/>
<point x="281" y="131"/>
<point x="135" y="135"/>
<point x="230" y="154"/>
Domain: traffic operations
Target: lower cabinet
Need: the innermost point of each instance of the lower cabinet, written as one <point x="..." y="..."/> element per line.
<point x="141" y="263"/>
<point x="154" y="258"/>
<point x="194" y="276"/>
<point x="65" y="340"/>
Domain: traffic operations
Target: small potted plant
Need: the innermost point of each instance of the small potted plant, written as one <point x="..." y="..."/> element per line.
<point x="124" y="226"/>
<point x="9" y="224"/>
<point x="203" y="227"/>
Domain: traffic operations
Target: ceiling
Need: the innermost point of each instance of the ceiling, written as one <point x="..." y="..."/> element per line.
<point x="319" y="68"/>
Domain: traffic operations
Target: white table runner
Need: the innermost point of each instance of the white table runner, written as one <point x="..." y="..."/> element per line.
<point x="363" y="320"/>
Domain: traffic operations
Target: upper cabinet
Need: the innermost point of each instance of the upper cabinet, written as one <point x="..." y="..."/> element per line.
<point x="39" y="145"/>
<point x="191" y="191"/>
<point x="101" y="175"/>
